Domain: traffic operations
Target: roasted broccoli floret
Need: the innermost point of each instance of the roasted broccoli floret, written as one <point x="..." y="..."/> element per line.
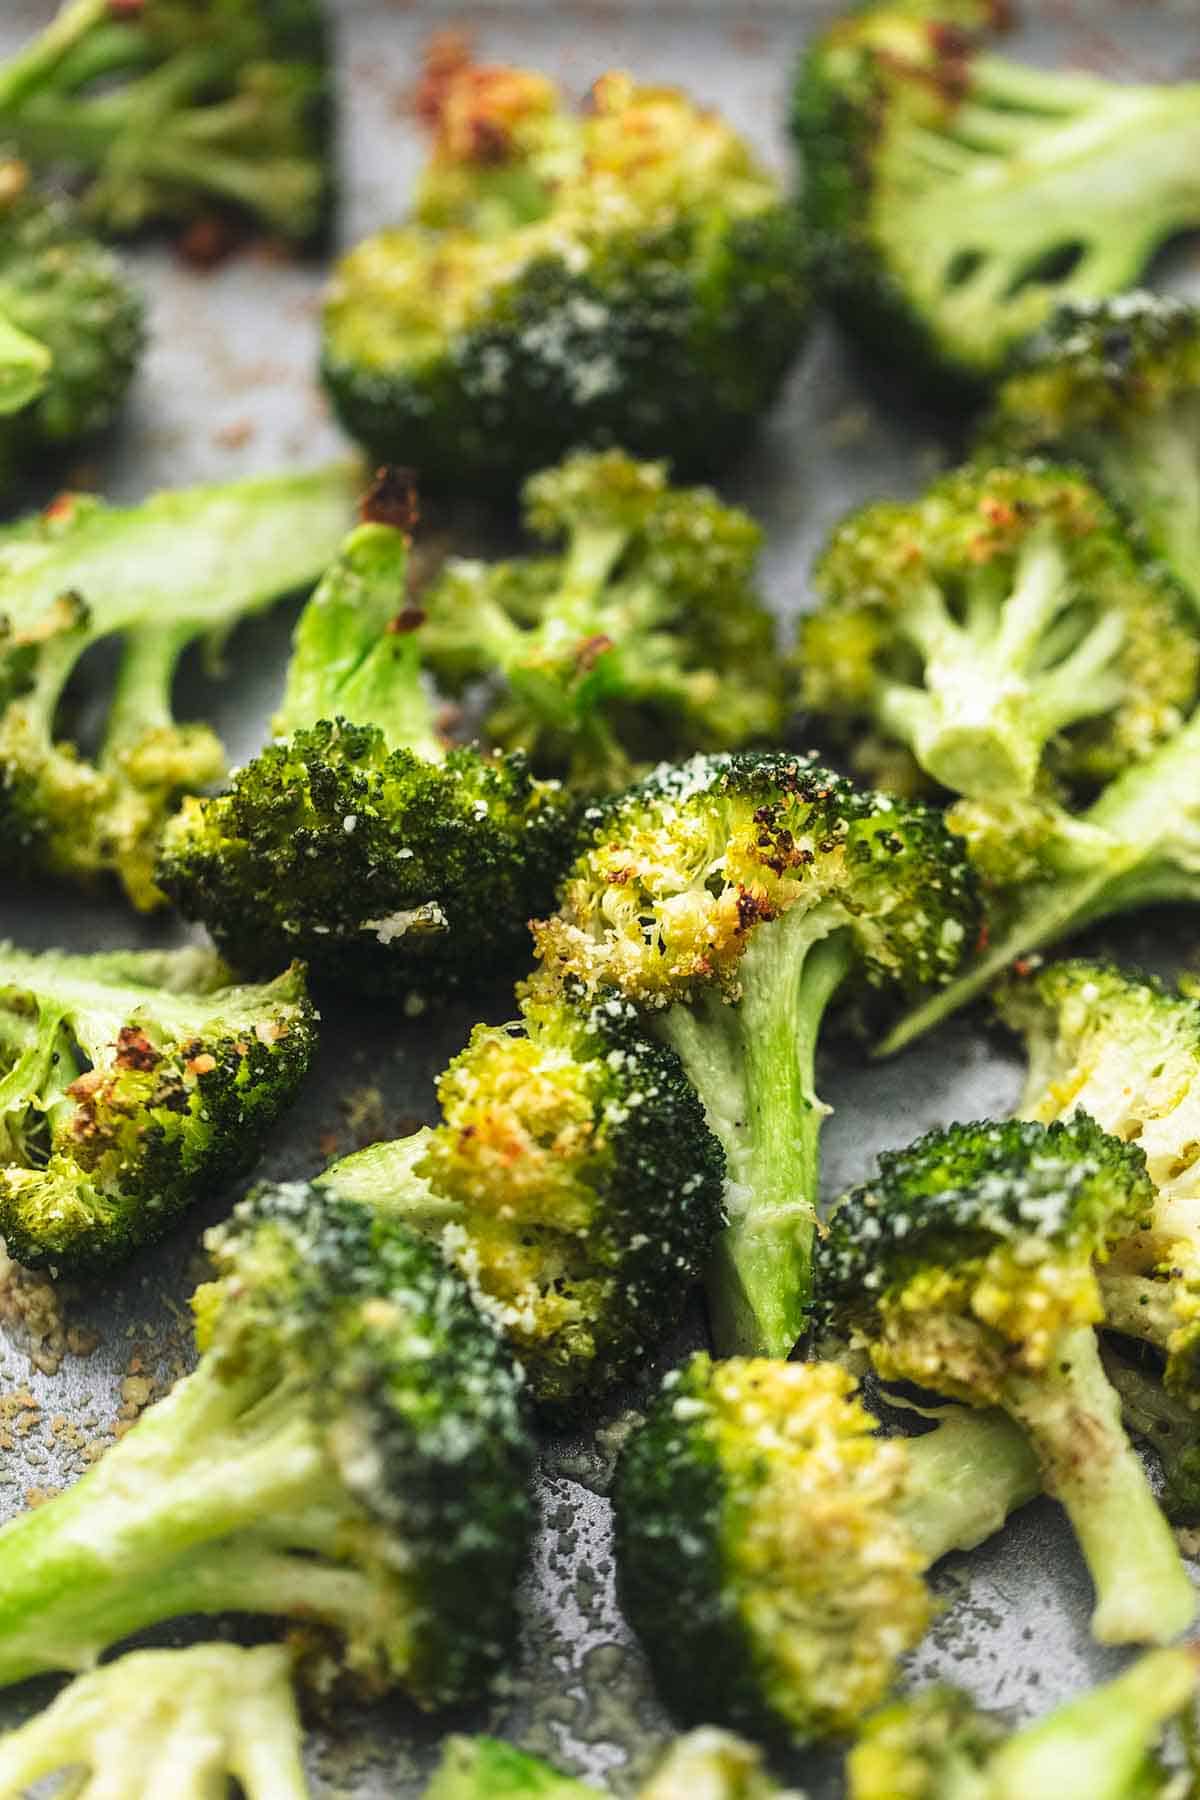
<point x="730" y="898"/>
<point x="705" y="1765"/>
<point x="355" y="839"/>
<point x="625" y="274"/>
<point x="349" y="1454"/>
<point x="968" y="1266"/>
<point x="168" y="110"/>
<point x="1001" y="630"/>
<point x="131" y="1084"/>
<point x="1116" y="384"/>
<point x="643" y="637"/>
<point x="572" y="1180"/>
<point x="188" y="1723"/>
<point x="178" y="568"/>
<point x="771" y="1550"/>
<point x="955" y="197"/>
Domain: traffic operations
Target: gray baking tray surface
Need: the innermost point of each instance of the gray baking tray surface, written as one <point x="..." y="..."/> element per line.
<point x="227" y="389"/>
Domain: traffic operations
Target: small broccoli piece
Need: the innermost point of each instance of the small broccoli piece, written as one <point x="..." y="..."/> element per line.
<point x="165" y="111"/>
<point x="730" y="898"/>
<point x="1100" y="1746"/>
<point x="572" y="1180"/>
<point x="131" y="1084"/>
<point x="771" y="1550"/>
<point x="189" y="1723"/>
<point x="1116" y="384"/>
<point x="955" y="197"/>
<point x="968" y="1266"/>
<point x="485" y="1768"/>
<point x="179" y="568"/>
<point x="355" y="839"/>
<point x="626" y="274"/>
<point x="705" y="1765"/>
<point x="643" y="637"/>
<point x="1001" y="629"/>
<point x="349" y="1453"/>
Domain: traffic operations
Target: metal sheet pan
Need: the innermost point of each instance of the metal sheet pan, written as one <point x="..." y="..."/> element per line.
<point x="228" y="388"/>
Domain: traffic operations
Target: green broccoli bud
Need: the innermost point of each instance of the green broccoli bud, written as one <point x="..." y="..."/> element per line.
<point x="164" y="112"/>
<point x="629" y="274"/>
<point x="1100" y="1746"/>
<point x="968" y="1266"/>
<point x="643" y="637"/>
<point x="1000" y="628"/>
<point x="573" y="1182"/>
<point x="731" y="898"/>
<point x="955" y="197"/>
<point x="183" y="1722"/>
<point x="131" y="1084"/>
<point x="772" y="1550"/>
<point x="705" y="1765"/>
<point x="1116" y="384"/>
<point x="355" y="839"/>
<point x="349" y="1454"/>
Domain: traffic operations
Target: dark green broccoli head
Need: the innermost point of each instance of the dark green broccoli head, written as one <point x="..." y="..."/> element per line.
<point x="1116" y="383"/>
<point x="1002" y="630"/>
<point x="132" y="1084"/>
<point x="644" y="637"/>
<point x="955" y="198"/>
<point x="168" y="110"/>
<point x="628" y="274"/>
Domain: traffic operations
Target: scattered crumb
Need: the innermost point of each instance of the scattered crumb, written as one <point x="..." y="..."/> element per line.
<point x="235" y="436"/>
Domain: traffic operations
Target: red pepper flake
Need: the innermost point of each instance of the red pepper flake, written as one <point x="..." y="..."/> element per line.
<point x="391" y="499"/>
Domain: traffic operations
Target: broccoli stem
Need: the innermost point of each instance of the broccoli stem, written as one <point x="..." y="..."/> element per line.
<point x="1139" y="1307"/>
<point x="752" y="1063"/>
<point x="964" y="1480"/>
<point x="1153" y="465"/>
<point x="1073" y="1417"/>
<point x="42" y="59"/>
<point x="141" y="696"/>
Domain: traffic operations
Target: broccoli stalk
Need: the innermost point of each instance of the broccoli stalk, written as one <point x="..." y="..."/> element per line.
<point x="348" y="1453"/>
<point x="183" y="1722"/>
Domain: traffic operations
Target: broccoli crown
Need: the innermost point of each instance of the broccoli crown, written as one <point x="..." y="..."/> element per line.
<point x="644" y="636"/>
<point x="626" y="274"/>
<point x="955" y="197"/>
<point x="760" y="1554"/>
<point x="1001" y="628"/>
<point x="204" y="1717"/>
<point x="167" y="112"/>
<point x="131" y="1084"/>
<point x="677" y="874"/>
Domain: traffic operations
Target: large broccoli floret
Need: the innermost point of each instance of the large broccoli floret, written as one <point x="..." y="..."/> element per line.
<point x="956" y="197"/>
<point x="348" y="1454"/>
<point x="355" y="839"/>
<point x="131" y="1084"/>
<point x="730" y="898"/>
<point x="628" y="274"/>
<point x="1001" y="629"/>
<point x="1101" y="1746"/>
<point x="572" y="1180"/>
<point x="1116" y="384"/>
<point x="178" y="568"/>
<point x="643" y="637"/>
<point x="188" y="1723"/>
<point x="707" y="1764"/>
<point x="968" y="1266"/>
<point x="771" y="1550"/>
<point x="168" y="109"/>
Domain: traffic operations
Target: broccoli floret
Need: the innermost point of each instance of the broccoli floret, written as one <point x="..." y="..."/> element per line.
<point x="1101" y="1746"/>
<point x="955" y="197"/>
<point x="131" y="1084"/>
<point x="185" y="1722"/>
<point x="705" y="1765"/>
<point x="355" y="839"/>
<point x="167" y="110"/>
<point x="349" y="1453"/>
<point x="771" y="1551"/>
<point x="572" y="1180"/>
<point x="1116" y="384"/>
<point x="730" y="898"/>
<point x="1001" y="629"/>
<point x="178" y="568"/>
<point x="643" y="637"/>
<point x="626" y="274"/>
<point x="968" y="1266"/>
